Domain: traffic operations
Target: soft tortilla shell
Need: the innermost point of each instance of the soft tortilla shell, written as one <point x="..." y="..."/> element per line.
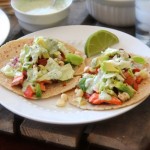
<point x="142" y="94"/>
<point x="12" y="49"/>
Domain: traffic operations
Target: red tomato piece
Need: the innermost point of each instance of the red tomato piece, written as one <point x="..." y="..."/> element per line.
<point x="136" y="70"/>
<point x="94" y="99"/>
<point x="42" y="61"/>
<point x="138" y="79"/>
<point x="17" y="80"/>
<point x="28" y="93"/>
<point x="129" y="79"/>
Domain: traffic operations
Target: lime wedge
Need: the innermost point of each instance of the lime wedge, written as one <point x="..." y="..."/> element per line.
<point x="99" y="41"/>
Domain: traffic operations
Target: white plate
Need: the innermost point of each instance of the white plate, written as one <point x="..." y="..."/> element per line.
<point x="4" y="27"/>
<point x="46" y="110"/>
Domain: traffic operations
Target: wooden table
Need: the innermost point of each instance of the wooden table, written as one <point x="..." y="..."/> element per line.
<point x="130" y="131"/>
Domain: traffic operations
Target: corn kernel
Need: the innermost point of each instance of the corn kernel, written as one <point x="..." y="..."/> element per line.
<point x="64" y="97"/>
<point x="61" y="63"/>
<point x="60" y="103"/>
<point x="79" y="92"/>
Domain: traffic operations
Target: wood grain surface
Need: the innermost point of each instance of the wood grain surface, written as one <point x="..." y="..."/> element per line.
<point x="6" y="120"/>
<point x="128" y="131"/>
<point x="58" y="134"/>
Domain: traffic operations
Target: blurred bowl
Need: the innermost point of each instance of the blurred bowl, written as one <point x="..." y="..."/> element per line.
<point x="33" y="18"/>
<point x="112" y="12"/>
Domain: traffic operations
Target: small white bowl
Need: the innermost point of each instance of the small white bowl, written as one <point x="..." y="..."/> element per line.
<point x="31" y="22"/>
<point x="112" y="12"/>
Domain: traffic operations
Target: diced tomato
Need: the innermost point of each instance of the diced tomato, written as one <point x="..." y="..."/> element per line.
<point x="128" y="78"/>
<point x="28" y="93"/>
<point x="131" y="81"/>
<point x="135" y="86"/>
<point x="42" y="61"/>
<point x="63" y="56"/>
<point x="136" y="70"/>
<point x="138" y="79"/>
<point x="86" y="95"/>
<point x="42" y="86"/>
<point x="94" y="99"/>
<point x="17" y="80"/>
<point x="115" y="101"/>
<point x="24" y="73"/>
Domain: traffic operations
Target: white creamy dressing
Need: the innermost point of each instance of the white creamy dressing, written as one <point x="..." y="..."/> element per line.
<point x="92" y="83"/>
<point x="104" y="96"/>
<point x="120" y="63"/>
<point x="110" y="51"/>
<point x="40" y="7"/>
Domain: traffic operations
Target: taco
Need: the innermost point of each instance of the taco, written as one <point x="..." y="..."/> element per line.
<point x="112" y="80"/>
<point x="40" y="67"/>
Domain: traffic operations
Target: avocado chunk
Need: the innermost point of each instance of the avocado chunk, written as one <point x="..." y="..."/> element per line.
<point x="108" y="67"/>
<point x="102" y="58"/>
<point x="96" y="62"/>
<point x="125" y="88"/>
<point x="67" y="72"/>
<point x="139" y="60"/>
<point x="42" y="43"/>
<point x="74" y="59"/>
<point x="110" y="92"/>
<point x="82" y="84"/>
<point x="45" y="54"/>
<point x="38" y="90"/>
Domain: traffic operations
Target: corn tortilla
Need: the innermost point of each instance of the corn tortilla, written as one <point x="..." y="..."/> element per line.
<point x="142" y="93"/>
<point x="13" y="48"/>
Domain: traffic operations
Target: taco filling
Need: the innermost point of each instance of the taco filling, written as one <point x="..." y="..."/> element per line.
<point x="45" y="61"/>
<point x="112" y="78"/>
